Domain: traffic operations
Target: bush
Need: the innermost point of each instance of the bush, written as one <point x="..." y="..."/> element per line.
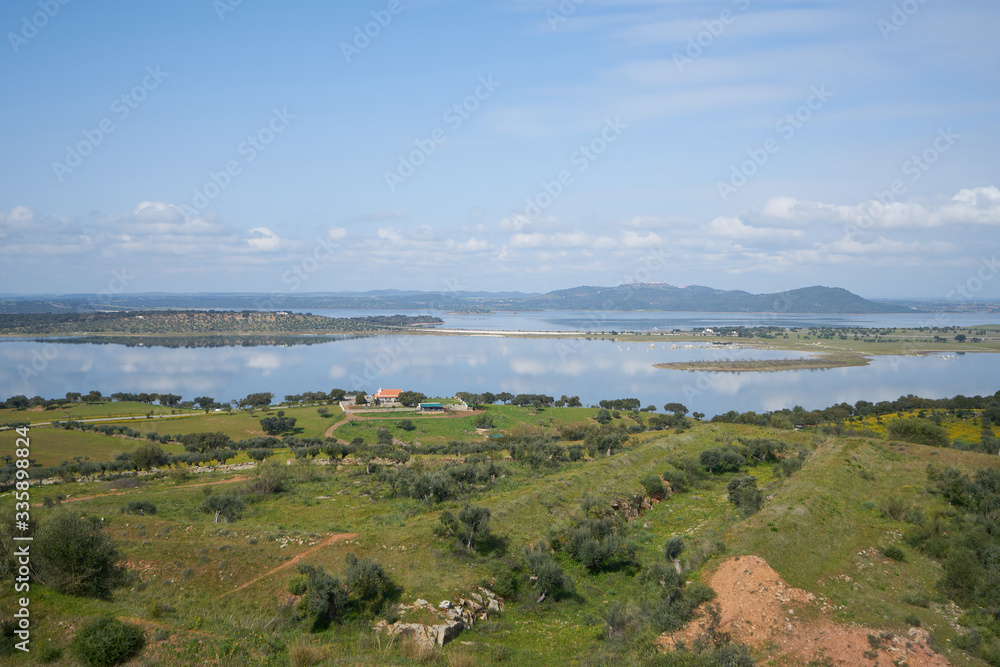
<point x="8" y="637"/>
<point x="653" y="486"/>
<point x="259" y="453"/>
<point x="744" y="494"/>
<point x="226" y="507"/>
<point x="107" y="641"/>
<point x="139" y="507"/>
<point x="919" y="431"/>
<point x="324" y="598"/>
<point x="271" y="478"/>
<point x="718" y="461"/>
<point x="893" y="552"/>
<point x="790" y="465"/>
<point x="550" y="581"/>
<point x="148" y="455"/>
<point x="298" y="585"/>
<point x="75" y="556"/>
<point x="368" y="580"/>
<point x="673" y="548"/>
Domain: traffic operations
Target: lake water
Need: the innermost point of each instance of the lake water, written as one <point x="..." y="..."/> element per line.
<point x="443" y="365"/>
<point x="599" y="321"/>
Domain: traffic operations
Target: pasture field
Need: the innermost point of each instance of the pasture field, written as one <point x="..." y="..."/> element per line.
<point x="218" y="592"/>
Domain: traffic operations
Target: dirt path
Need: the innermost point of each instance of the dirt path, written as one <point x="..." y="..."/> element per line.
<point x="761" y="610"/>
<point x="238" y="478"/>
<point x="329" y="431"/>
<point x="295" y="559"/>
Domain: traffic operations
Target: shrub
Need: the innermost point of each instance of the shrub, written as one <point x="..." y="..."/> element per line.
<point x="75" y="556"/>
<point x="226" y="507"/>
<point x="549" y="581"/>
<point x="49" y="653"/>
<point x="677" y="480"/>
<point x="139" y="507"/>
<point x="673" y="548"/>
<point x="271" y="478"/>
<point x="893" y="508"/>
<point x="653" y="486"/>
<point x="744" y="494"/>
<point x="324" y="598"/>
<point x="148" y="455"/>
<point x="790" y="465"/>
<point x="8" y="637"/>
<point x="107" y="641"/>
<point x="893" y="552"/>
<point x="298" y="585"/>
<point x="919" y="431"/>
<point x="718" y="461"/>
<point x="259" y="453"/>
<point x="367" y="579"/>
<point x="597" y="544"/>
<point x="483" y="421"/>
<point x="304" y="654"/>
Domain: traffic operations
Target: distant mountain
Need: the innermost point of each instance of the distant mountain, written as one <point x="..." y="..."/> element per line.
<point x="632" y="297"/>
<point x="662" y="297"/>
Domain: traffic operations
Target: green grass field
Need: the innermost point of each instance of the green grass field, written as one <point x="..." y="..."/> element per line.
<point x="816" y="527"/>
<point x="69" y="411"/>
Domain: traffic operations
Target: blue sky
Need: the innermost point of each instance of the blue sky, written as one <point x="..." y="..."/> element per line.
<point x="500" y="145"/>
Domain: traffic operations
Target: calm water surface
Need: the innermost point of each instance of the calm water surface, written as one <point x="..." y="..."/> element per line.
<point x="443" y="365"/>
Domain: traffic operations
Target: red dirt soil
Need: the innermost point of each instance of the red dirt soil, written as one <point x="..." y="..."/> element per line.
<point x="295" y="559"/>
<point x="759" y="609"/>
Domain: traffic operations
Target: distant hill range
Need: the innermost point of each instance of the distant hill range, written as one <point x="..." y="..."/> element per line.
<point x="631" y="297"/>
<point x="662" y="297"/>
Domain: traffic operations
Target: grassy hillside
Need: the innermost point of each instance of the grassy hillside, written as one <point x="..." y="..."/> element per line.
<point x="218" y="592"/>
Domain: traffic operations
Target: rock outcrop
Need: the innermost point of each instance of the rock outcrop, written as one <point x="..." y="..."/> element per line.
<point x="455" y="617"/>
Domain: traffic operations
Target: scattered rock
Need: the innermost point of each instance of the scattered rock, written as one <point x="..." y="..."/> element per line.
<point x="457" y="616"/>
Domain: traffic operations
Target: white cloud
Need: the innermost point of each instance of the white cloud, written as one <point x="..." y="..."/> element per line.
<point x="969" y="207"/>
<point x="262" y="238"/>
<point x="734" y="228"/>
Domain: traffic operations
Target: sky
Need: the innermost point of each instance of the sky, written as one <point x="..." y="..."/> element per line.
<point x="532" y="145"/>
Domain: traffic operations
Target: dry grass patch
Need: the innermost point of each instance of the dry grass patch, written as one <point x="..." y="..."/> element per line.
<point x="421" y="654"/>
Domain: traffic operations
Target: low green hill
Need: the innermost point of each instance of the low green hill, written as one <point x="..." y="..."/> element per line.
<point x="228" y="593"/>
